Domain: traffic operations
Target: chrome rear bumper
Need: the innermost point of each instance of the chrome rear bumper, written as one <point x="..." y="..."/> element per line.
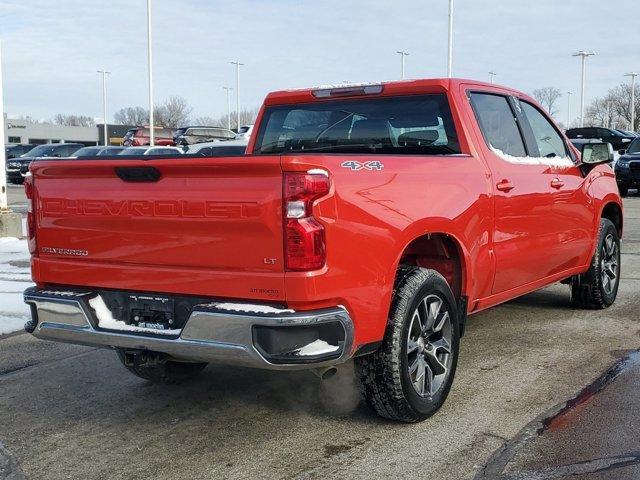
<point x="210" y="334"/>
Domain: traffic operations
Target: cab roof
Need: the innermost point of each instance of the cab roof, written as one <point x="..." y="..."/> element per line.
<point x="402" y="87"/>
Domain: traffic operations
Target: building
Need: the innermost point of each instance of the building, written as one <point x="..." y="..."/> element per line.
<point x="23" y="131"/>
<point x="115" y="133"/>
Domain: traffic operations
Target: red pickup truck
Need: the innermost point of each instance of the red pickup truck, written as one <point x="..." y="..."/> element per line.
<point x="365" y="222"/>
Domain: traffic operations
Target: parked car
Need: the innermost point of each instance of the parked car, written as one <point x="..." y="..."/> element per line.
<point x="366" y="223"/>
<point x="110" y="150"/>
<point x="140" y="151"/>
<point x="99" y="151"/>
<point x="229" y="148"/>
<point x="627" y="168"/>
<point x="17" y="168"/>
<point x="627" y="133"/>
<point x="617" y="139"/>
<point x="244" y="132"/>
<point x="194" y="135"/>
<point x="140" y="136"/>
<point x="14" y="151"/>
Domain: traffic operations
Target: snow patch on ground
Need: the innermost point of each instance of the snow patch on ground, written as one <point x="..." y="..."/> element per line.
<point x="106" y="320"/>
<point x="248" y="307"/>
<point x="15" y="277"/>
<point x="550" y="161"/>
<point x="317" y="348"/>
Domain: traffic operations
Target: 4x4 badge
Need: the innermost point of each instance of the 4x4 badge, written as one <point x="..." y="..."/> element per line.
<point x="355" y="165"/>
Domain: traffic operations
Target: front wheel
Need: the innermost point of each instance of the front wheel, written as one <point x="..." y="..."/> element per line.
<point x="409" y="377"/>
<point x="624" y="191"/>
<point x="598" y="287"/>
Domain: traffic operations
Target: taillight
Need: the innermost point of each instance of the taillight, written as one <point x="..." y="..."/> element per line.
<point x="304" y="240"/>
<point x="31" y="214"/>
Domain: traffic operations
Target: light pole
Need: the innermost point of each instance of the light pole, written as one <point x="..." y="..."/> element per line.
<point x="238" y="65"/>
<point x="104" y="103"/>
<point x="569" y="109"/>
<point x="633" y="76"/>
<point x="228" y="89"/>
<point x="450" y="48"/>
<point x="402" y="55"/>
<point x="150" y="70"/>
<point x="584" y="56"/>
<point x="492" y="76"/>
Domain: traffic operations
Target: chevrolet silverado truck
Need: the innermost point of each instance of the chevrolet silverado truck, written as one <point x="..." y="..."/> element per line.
<point x="365" y="222"/>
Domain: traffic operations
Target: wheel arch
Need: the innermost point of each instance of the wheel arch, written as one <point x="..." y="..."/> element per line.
<point x="441" y="250"/>
<point x="612" y="210"/>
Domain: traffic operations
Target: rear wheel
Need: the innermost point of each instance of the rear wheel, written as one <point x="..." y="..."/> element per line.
<point x="624" y="191"/>
<point x="409" y="377"/>
<point x="598" y="287"/>
<point x="152" y="367"/>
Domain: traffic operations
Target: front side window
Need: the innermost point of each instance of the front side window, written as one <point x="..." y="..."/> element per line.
<point x="548" y="140"/>
<point x="498" y="124"/>
<point x="412" y="125"/>
<point x="40" y="151"/>
<point x="634" y="147"/>
<point x="606" y="133"/>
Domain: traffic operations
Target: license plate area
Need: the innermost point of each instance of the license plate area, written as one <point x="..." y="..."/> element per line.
<point x="152" y="312"/>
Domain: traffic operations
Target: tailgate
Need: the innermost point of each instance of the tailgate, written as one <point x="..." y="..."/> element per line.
<point x="206" y="226"/>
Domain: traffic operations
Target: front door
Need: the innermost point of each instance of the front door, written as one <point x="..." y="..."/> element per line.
<point x="572" y="214"/>
<point x="522" y="199"/>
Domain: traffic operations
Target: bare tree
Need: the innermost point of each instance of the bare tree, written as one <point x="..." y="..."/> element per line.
<point x="547" y="97"/>
<point x="207" y="122"/>
<point x="73" y="120"/>
<point x="131" y="116"/>
<point x="614" y="109"/>
<point x="247" y="117"/>
<point x="173" y="113"/>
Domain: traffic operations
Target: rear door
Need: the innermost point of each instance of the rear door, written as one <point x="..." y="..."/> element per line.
<point x="522" y="197"/>
<point x="197" y="226"/>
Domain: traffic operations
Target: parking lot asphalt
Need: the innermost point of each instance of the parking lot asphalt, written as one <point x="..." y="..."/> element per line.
<point x="74" y="412"/>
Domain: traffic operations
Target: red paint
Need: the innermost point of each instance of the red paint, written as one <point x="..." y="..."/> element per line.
<point x="214" y="226"/>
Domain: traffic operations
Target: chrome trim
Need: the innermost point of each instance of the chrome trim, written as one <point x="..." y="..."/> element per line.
<point x="209" y="335"/>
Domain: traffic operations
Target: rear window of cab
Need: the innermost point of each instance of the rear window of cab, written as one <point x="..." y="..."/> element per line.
<point x="412" y="125"/>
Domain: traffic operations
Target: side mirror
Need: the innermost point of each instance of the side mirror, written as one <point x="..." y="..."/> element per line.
<point x="622" y="151"/>
<point x="595" y="153"/>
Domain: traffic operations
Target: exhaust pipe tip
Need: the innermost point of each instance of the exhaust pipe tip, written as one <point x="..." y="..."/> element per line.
<point x="325" y="373"/>
<point x="30" y="326"/>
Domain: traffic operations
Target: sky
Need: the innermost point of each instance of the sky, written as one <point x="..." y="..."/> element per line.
<point x="52" y="49"/>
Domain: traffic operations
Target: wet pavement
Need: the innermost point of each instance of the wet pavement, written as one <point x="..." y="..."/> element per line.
<point x="595" y="435"/>
<point x="74" y="412"/>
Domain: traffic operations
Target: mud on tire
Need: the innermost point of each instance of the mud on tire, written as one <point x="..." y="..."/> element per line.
<point x="390" y="377"/>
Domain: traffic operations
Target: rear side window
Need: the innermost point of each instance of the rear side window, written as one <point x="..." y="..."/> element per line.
<point x="498" y="124"/>
<point x="418" y="125"/>
<point x="548" y="140"/>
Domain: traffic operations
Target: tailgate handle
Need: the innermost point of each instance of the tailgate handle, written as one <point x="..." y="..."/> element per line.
<point x="138" y="174"/>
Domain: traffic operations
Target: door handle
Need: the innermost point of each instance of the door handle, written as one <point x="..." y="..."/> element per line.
<point x="504" y="186"/>
<point x="557" y="183"/>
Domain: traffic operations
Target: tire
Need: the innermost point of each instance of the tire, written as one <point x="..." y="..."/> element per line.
<point x="166" y="372"/>
<point x="386" y="382"/>
<point x="598" y="287"/>
<point x="624" y="191"/>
